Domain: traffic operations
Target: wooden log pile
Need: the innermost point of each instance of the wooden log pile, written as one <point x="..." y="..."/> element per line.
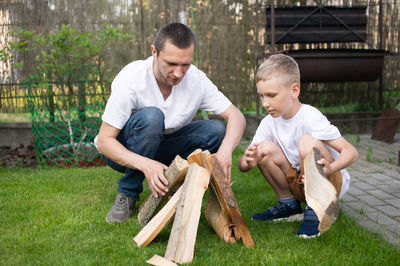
<point x="184" y="207"/>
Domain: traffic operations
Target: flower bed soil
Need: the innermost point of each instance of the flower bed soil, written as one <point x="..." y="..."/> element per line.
<point x="19" y="157"/>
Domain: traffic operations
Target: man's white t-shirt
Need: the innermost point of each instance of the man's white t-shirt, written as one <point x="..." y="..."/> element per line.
<point x="135" y="87"/>
<point x="286" y="133"/>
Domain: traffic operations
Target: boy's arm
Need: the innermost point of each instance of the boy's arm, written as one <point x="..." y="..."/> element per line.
<point x="348" y="155"/>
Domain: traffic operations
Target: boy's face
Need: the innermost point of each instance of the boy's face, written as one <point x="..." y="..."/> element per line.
<point x="278" y="98"/>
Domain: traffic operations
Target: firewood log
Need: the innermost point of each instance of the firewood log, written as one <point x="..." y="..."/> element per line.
<point x="320" y="194"/>
<point x="227" y="200"/>
<point x="174" y="174"/>
<point x="158" y="222"/>
<point x="180" y="248"/>
<point x="160" y="261"/>
<point x="215" y="217"/>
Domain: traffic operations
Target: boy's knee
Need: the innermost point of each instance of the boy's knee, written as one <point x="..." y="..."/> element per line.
<point x="268" y="150"/>
<point x="307" y="143"/>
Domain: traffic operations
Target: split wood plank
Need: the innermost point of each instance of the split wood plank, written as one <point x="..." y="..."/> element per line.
<point x="158" y="222"/>
<point x="174" y="174"/>
<point x="195" y="157"/>
<point x="160" y="261"/>
<point x="218" y="219"/>
<point x="180" y="248"/>
<point x="215" y="216"/>
<point x="227" y="200"/>
<point x="320" y="194"/>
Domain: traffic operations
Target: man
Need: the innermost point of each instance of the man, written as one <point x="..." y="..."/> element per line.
<point x="148" y="118"/>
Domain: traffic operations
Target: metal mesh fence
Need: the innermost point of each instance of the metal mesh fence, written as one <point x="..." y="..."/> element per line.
<point x="65" y="120"/>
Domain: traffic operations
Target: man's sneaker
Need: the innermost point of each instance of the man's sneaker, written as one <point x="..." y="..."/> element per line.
<point x="309" y="226"/>
<point x="121" y="210"/>
<point x="283" y="211"/>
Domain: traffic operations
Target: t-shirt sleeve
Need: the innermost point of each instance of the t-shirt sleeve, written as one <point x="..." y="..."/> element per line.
<point x="213" y="100"/>
<point x="120" y="104"/>
<point x="263" y="131"/>
<point x="319" y="126"/>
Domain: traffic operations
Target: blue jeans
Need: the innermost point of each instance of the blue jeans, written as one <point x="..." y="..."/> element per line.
<point x="144" y="134"/>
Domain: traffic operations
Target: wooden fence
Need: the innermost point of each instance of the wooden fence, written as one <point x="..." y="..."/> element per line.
<point x="229" y="33"/>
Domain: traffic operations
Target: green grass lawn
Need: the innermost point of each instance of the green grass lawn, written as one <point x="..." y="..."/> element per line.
<point x="57" y="217"/>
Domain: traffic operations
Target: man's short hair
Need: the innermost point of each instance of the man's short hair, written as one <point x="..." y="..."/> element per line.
<point x="279" y="66"/>
<point x="179" y="34"/>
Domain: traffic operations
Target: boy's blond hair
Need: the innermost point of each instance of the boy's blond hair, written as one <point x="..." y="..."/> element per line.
<point x="279" y="66"/>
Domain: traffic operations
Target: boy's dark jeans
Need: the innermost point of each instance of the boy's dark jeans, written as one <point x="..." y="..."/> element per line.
<point x="144" y="134"/>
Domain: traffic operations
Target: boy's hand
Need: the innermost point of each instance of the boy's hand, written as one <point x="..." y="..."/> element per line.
<point x="252" y="155"/>
<point x="326" y="166"/>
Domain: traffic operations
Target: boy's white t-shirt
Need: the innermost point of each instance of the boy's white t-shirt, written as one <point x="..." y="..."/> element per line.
<point x="135" y="87"/>
<point x="286" y="133"/>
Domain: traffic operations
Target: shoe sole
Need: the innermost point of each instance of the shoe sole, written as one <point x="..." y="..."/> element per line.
<point x="293" y="218"/>
<point x="308" y="237"/>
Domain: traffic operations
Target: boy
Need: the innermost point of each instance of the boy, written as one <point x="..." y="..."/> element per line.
<point x="286" y="136"/>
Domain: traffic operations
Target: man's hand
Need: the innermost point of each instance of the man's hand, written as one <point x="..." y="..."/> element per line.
<point x="225" y="159"/>
<point x="154" y="173"/>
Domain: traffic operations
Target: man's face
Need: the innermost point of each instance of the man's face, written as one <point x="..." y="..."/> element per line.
<point x="278" y="98"/>
<point x="171" y="63"/>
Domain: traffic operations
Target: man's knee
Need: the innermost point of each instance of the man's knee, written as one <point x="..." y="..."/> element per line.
<point x="212" y="133"/>
<point x="217" y="128"/>
<point x="148" y="118"/>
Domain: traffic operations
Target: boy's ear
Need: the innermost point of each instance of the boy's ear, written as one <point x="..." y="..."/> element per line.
<point x="295" y="90"/>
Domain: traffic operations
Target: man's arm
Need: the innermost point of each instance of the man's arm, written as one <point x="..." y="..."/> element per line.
<point x="110" y="147"/>
<point x="236" y="124"/>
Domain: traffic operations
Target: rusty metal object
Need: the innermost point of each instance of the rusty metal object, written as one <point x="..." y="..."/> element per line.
<point x="386" y="129"/>
<point x="338" y="65"/>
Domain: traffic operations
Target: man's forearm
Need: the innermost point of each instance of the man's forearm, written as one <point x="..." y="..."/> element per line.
<point x="236" y="124"/>
<point x="115" y="151"/>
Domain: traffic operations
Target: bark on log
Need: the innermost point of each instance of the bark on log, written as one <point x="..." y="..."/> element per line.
<point x="174" y="174"/>
<point x="158" y="222"/>
<point x="227" y="200"/>
<point x="180" y="248"/>
<point x="320" y="194"/>
<point x="160" y="261"/>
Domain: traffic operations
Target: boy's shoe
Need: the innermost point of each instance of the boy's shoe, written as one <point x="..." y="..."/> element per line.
<point x="122" y="209"/>
<point x="309" y="226"/>
<point x="283" y="211"/>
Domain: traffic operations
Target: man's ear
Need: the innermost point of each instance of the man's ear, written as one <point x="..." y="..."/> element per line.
<point x="153" y="50"/>
<point x="295" y="90"/>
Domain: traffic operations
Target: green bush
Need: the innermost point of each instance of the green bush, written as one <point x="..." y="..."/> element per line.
<point x="66" y="93"/>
